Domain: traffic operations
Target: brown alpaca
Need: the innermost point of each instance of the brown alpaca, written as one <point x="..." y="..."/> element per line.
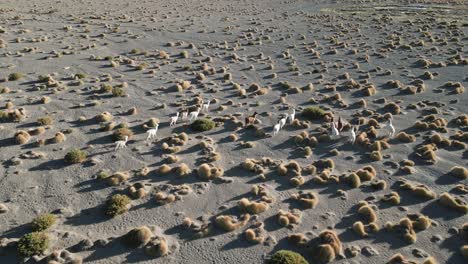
<point x="250" y="120"/>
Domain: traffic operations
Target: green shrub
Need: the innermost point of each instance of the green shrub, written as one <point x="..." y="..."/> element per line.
<point x="203" y="124"/>
<point x="75" y="156"/>
<point x="15" y="76"/>
<point x="287" y="257"/>
<point x="43" y="222"/>
<point x="120" y="133"/>
<point x="313" y="113"/>
<point x="118" y="92"/>
<point x="117" y="205"/>
<point x="33" y="243"/>
<point x="106" y="88"/>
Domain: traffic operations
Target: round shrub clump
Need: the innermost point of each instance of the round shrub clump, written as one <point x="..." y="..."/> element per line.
<point x="137" y="236"/>
<point x="313" y="113"/>
<point x="120" y="133"/>
<point x="75" y="156"/>
<point x="33" y="243"/>
<point x="118" y="92"/>
<point x="118" y="204"/>
<point x="43" y="222"/>
<point x="287" y="257"/>
<point x="15" y="76"/>
<point x="203" y="125"/>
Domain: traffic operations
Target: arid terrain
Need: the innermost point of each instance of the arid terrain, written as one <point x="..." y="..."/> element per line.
<point x="223" y="131"/>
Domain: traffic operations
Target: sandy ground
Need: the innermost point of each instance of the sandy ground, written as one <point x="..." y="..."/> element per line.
<point x="301" y="54"/>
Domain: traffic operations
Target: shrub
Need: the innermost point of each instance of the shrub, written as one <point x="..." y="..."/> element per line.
<point x="138" y="236"/>
<point x="15" y="76"/>
<point x="22" y="137"/>
<point x="120" y="133"/>
<point x="117" y="205"/>
<point x="80" y="75"/>
<point x="43" y="222"/>
<point x="202" y="125"/>
<point x="75" y="156"/>
<point x="313" y="113"/>
<point x="287" y="257"/>
<point x="33" y="243"/>
<point x="45" y="120"/>
<point x="118" y="92"/>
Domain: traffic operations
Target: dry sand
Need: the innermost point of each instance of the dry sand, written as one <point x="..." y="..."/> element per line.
<point x="262" y="56"/>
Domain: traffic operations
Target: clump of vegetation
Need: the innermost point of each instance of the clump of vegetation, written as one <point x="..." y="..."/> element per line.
<point x="313" y="113"/>
<point x="118" y="204"/>
<point x="229" y="223"/>
<point x="117" y="178"/>
<point x="459" y="172"/>
<point x="203" y="125"/>
<point x="58" y="138"/>
<point x="15" y="76"/>
<point x="43" y="222"/>
<point x="120" y="133"/>
<point x="22" y="137"/>
<point x="75" y="156"/>
<point x="80" y="76"/>
<point x="104" y="117"/>
<point x="45" y="120"/>
<point x="118" y="92"/>
<point x="138" y="236"/>
<point x="287" y="257"/>
<point x="33" y="243"/>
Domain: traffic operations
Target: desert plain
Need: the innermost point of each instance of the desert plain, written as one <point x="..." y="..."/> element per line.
<point x="193" y="131"/>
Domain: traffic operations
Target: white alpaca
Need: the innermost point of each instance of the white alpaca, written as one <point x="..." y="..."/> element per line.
<point x="152" y="132"/>
<point x="391" y="128"/>
<point x="292" y="116"/>
<point x="174" y="120"/>
<point x="353" y="131"/>
<point x="205" y="107"/>
<point x="276" y="129"/>
<point x="282" y="121"/>
<point x="334" y="130"/>
<point x="121" y="144"/>
<point x="184" y="115"/>
<point x="194" y="114"/>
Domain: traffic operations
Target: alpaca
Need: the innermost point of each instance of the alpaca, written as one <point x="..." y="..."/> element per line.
<point x="339" y="124"/>
<point x="185" y="115"/>
<point x="282" y="121"/>
<point x="152" y="133"/>
<point x="250" y="120"/>
<point x="390" y="128"/>
<point x="194" y="114"/>
<point x="292" y="116"/>
<point x="174" y="120"/>
<point x="334" y="131"/>
<point x="206" y="106"/>
<point x="276" y="128"/>
<point x="353" y="132"/>
<point x="121" y="144"/>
